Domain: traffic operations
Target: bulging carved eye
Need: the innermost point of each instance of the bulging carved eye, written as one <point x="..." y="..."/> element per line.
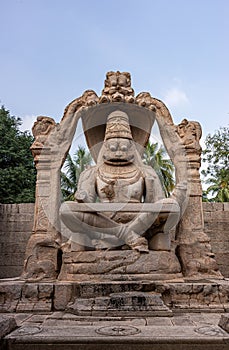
<point x="123" y="148"/>
<point x="113" y="148"/>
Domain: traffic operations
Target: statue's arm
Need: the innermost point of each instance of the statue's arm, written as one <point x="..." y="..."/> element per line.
<point x="153" y="188"/>
<point x="86" y="186"/>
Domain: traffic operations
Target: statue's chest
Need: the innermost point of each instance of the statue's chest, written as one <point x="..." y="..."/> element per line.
<point x="120" y="190"/>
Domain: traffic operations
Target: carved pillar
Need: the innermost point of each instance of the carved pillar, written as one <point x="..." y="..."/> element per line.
<point x="182" y="145"/>
<point x="42" y="248"/>
<point x="52" y="142"/>
<point x="194" y="249"/>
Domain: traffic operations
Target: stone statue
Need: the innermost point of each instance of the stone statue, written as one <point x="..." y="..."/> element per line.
<point x="117" y="88"/>
<point x="119" y="202"/>
<point x="190" y="133"/>
<point x="119" y="177"/>
<point x="41" y="129"/>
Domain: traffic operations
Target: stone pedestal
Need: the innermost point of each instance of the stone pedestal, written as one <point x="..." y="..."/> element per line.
<point x="131" y="303"/>
<point x="116" y="265"/>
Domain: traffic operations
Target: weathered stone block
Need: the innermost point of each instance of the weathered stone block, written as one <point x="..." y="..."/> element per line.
<point x="43" y="306"/>
<point x="30" y="291"/>
<point x="12" y="258"/>
<point x="224" y="322"/>
<point x="7" y="325"/>
<point x="26" y="208"/>
<point x="12" y="271"/>
<point x="45" y="290"/>
<point x="62" y="295"/>
<point x="220" y="216"/>
<point x="131" y="303"/>
<point x="214" y="206"/>
<point x="14" y="247"/>
<point x="217" y="230"/>
<point x="10" y="293"/>
<point x="226" y="206"/>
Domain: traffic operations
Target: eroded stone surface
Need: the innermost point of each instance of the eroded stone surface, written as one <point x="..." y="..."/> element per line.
<point x="51" y="145"/>
<point x="123" y="335"/>
<point x="7" y="325"/>
<point x="224" y="322"/>
<point x="93" y="264"/>
<point x="60" y="330"/>
<point x="178" y="296"/>
<point x="216" y="219"/>
<point x="117" y="304"/>
<point x="120" y="177"/>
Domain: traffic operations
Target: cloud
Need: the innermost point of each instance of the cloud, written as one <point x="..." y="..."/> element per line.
<point x="175" y="97"/>
<point x="27" y="122"/>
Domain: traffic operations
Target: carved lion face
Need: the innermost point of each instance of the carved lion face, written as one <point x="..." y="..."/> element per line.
<point x="118" y="151"/>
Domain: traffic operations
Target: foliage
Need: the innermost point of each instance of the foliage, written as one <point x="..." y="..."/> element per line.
<point x="17" y="171"/>
<point x="155" y="156"/>
<point x="216" y="155"/>
<point x="74" y="167"/>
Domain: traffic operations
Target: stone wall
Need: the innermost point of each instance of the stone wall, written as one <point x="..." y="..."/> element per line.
<point x="16" y="221"/>
<point x="216" y="223"/>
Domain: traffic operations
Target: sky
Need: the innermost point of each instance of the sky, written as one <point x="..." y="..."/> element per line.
<point x="51" y="51"/>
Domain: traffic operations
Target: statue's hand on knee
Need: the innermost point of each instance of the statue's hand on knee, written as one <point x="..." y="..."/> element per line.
<point x="81" y="196"/>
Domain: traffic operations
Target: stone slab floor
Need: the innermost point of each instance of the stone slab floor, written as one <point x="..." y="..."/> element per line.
<point x="60" y="330"/>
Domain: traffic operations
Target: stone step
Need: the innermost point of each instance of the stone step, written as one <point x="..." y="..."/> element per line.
<point x="117" y="304"/>
<point x="113" y="337"/>
<point x="179" y="295"/>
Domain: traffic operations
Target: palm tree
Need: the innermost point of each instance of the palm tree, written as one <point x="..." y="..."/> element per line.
<point x="219" y="187"/>
<point x="74" y="167"/>
<point x="156" y="157"/>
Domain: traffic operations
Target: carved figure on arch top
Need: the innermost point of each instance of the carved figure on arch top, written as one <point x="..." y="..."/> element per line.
<point x="144" y="99"/>
<point x="117" y="88"/>
<point x="41" y="129"/>
<point x="190" y="133"/>
<point x="89" y="98"/>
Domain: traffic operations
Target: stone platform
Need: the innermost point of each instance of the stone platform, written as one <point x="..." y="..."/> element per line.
<point x="60" y="330"/>
<point x="165" y="315"/>
<point x="116" y="265"/>
<point x="113" y="298"/>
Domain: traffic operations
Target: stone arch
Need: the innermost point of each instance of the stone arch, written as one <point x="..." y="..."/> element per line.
<point x="52" y="143"/>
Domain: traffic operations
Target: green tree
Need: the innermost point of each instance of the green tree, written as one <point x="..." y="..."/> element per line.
<point x="17" y="170"/>
<point x="216" y="175"/>
<point x="74" y="167"/>
<point x="219" y="187"/>
<point x="156" y="157"/>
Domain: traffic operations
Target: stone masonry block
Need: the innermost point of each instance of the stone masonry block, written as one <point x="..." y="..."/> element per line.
<point x="10" y="271"/>
<point x="30" y="291"/>
<point x="216" y="216"/>
<point x="12" y="259"/>
<point x="212" y="207"/>
<point x="45" y="290"/>
<point x="224" y="322"/>
<point x="226" y="207"/>
<point x="7" y="325"/>
<point x="62" y="295"/>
